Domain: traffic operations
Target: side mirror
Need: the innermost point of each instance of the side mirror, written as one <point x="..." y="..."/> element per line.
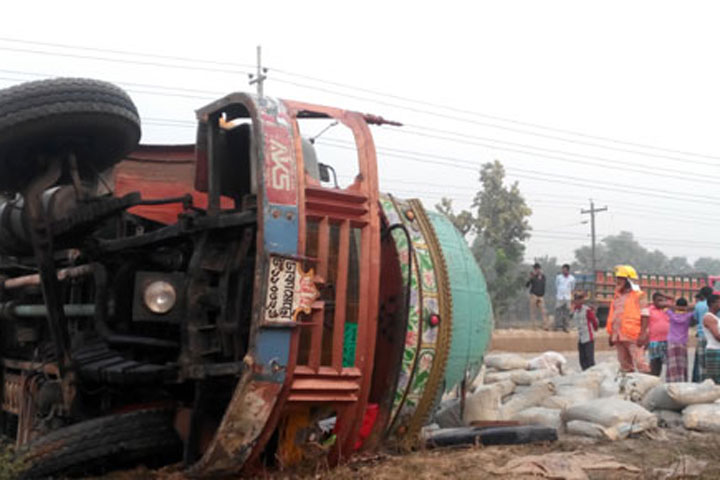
<point x="324" y="172"/>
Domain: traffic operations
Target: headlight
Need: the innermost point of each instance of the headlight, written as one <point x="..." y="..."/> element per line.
<point x="160" y="297"/>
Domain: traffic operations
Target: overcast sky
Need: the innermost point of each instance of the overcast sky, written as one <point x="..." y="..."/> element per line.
<point x="615" y="101"/>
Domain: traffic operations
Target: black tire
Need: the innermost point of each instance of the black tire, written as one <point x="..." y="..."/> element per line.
<point x="95" y="119"/>
<point x="103" y="444"/>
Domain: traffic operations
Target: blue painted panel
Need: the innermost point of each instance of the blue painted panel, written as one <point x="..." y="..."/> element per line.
<point x="281" y="229"/>
<point x="273" y="353"/>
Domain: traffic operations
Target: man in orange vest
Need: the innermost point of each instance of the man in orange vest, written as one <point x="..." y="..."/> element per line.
<point x="627" y="323"/>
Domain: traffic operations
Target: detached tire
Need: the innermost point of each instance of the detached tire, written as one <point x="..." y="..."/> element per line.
<point x="95" y="119"/>
<point x="104" y="444"/>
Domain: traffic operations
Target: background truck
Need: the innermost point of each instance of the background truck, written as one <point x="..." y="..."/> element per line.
<point x="672" y="286"/>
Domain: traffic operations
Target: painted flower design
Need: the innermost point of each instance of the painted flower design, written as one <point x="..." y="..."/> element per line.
<point x="411" y="338"/>
<point x="426" y="361"/>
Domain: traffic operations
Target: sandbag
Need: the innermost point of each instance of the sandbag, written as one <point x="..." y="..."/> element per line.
<point x="609" y="387"/>
<point x="608" y="369"/>
<point x="659" y="399"/>
<point x="484" y="404"/>
<point x="448" y="414"/>
<point x="506" y="361"/>
<point x="704" y="417"/>
<point x="548" y="361"/>
<point x="686" y="393"/>
<point x="528" y="377"/>
<point x="548" y="417"/>
<point x="585" y="429"/>
<point x="494" y="377"/>
<point x="618" y="431"/>
<point x="636" y="385"/>
<point x="506" y="387"/>
<point x="568" y="396"/>
<point x="533" y="397"/>
<point x="587" y="380"/>
<point x="669" y="418"/>
<point x="676" y="396"/>
<point x="609" y="412"/>
<point x="623" y="430"/>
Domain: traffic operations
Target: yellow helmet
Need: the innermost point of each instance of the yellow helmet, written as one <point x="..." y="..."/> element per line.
<point x="626" y="271"/>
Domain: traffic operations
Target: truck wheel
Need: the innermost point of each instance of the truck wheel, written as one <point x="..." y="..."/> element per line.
<point x="103" y="444"/>
<point x="96" y="120"/>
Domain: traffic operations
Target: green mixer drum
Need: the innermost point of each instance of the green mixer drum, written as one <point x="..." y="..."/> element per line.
<point x="472" y="318"/>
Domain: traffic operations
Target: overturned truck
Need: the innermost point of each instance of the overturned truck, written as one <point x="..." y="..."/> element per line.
<point x="219" y="304"/>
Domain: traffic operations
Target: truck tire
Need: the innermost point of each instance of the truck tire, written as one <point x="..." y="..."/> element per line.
<point x="96" y="120"/>
<point x="103" y="444"/>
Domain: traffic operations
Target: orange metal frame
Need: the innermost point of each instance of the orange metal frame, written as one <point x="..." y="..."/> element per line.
<point x="346" y="390"/>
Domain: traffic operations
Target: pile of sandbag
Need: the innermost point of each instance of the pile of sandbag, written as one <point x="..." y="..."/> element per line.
<point x="694" y="402"/>
<point x="597" y="402"/>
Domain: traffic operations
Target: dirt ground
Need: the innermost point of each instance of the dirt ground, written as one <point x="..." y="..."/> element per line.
<point x="635" y="458"/>
<point x="645" y="455"/>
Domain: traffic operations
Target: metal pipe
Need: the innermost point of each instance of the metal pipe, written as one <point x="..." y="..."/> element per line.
<point x="34" y="279"/>
<point x="71" y="310"/>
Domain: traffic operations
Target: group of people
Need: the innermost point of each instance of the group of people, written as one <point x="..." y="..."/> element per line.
<point x="663" y="330"/>
<point x="564" y="287"/>
<point x="658" y="331"/>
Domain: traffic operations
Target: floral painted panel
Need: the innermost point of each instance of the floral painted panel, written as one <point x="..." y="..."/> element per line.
<point x="421" y="336"/>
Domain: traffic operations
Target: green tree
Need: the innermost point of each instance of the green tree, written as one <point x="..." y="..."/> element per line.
<point x="707" y="265"/>
<point x="624" y="248"/>
<point x="500" y="223"/>
<point x="463" y="221"/>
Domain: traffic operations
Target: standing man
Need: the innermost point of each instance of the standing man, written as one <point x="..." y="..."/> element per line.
<point x="536" y="283"/>
<point x="701" y="308"/>
<point x="564" y="286"/>
<point x="627" y="323"/>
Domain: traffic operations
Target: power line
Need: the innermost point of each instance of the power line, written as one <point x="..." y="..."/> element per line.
<point x="535" y="175"/>
<point x="124" y="61"/>
<point x="604" y="160"/>
<point x="126" y="52"/>
<point x="449" y="117"/>
<point x="231" y="67"/>
<point x="652" y="171"/>
<point x="497" y="118"/>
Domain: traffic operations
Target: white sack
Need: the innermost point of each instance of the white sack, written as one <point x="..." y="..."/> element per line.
<point x="526" y="377"/>
<point x="703" y="416"/>
<point x="494" y="377"/>
<point x="548" y="417"/>
<point x="659" y="399"/>
<point x="532" y="397"/>
<point x="548" y="361"/>
<point x="609" y="412"/>
<point x="669" y="418"/>
<point x="686" y="393"/>
<point x="483" y="404"/>
<point x="585" y="429"/>
<point x="506" y="361"/>
<point x="636" y="385"/>
<point x="568" y="396"/>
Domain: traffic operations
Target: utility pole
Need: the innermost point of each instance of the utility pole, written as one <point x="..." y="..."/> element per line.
<point x="592" y="213"/>
<point x="260" y="76"/>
